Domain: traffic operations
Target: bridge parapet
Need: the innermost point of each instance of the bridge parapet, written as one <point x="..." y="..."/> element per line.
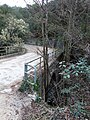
<point x="10" y="50"/>
<point x="34" y="68"/>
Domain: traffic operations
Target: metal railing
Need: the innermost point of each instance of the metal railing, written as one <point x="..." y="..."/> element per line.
<point x="6" y="50"/>
<point x="34" y="68"/>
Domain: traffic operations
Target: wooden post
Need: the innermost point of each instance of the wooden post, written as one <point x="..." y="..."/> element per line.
<point x="9" y="49"/>
<point x="6" y="51"/>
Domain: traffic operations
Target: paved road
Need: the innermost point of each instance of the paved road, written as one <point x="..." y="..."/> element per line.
<point x="12" y="69"/>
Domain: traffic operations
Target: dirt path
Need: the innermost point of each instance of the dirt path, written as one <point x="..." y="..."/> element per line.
<point x="12" y="104"/>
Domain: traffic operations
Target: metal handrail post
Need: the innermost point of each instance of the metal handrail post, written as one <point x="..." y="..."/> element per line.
<point x="35" y="74"/>
<point x="25" y="72"/>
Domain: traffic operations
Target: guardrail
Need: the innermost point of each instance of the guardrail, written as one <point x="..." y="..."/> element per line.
<point x="34" y="68"/>
<point x="9" y="50"/>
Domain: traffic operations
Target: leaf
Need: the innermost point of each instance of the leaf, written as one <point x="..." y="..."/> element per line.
<point x="64" y="66"/>
<point x="73" y="66"/>
<point x="76" y="74"/>
<point x="81" y="71"/>
<point x="32" y="83"/>
<point x="60" y="63"/>
<point x="64" y="76"/>
<point x="68" y="76"/>
<point x="66" y="70"/>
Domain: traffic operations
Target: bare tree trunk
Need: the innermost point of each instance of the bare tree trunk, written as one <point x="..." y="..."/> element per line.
<point x="45" y="46"/>
<point x="43" y="39"/>
<point x="46" y="35"/>
<point x="69" y="33"/>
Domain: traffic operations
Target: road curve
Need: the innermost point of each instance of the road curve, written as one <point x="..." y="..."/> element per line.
<point x="11" y="72"/>
<point x="12" y="68"/>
